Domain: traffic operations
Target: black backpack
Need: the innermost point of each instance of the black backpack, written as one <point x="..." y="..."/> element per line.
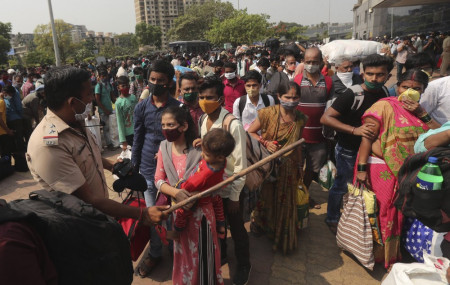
<point x="243" y="101"/>
<point x="86" y="246"/>
<point x="425" y="205"/>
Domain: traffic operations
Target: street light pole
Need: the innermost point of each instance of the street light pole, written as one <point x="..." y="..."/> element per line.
<point x="238" y="4"/>
<point x="55" y="39"/>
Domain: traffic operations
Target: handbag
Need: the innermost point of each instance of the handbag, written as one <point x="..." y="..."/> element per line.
<point x="137" y="234"/>
<point x="354" y="232"/>
<point x="302" y="205"/>
<point x="256" y="152"/>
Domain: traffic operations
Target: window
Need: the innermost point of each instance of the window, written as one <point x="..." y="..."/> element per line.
<point x="357" y="20"/>
<point x="365" y="16"/>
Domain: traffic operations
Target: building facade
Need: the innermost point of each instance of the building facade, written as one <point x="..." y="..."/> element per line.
<point x="370" y="21"/>
<point x="162" y="13"/>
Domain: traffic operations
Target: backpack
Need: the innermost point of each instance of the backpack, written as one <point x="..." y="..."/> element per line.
<point x="243" y="101"/>
<point x="425" y="205"/>
<point x="85" y="245"/>
<point x="327" y="132"/>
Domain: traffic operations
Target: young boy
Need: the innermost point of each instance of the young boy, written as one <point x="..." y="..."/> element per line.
<point x="104" y="97"/>
<point x="124" y="112"/>
<point x="217" y="145"/>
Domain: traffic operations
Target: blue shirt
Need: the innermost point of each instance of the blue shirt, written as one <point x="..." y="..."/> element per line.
<point x="148" y="135"/>
<point x="420" y="143"/>
<point x="13" y="108"/>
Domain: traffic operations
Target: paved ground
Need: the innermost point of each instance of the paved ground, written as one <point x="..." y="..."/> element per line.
<point x="317" y="260"/>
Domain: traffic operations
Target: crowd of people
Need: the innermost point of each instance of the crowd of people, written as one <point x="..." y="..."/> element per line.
<point x="187" y="117"/>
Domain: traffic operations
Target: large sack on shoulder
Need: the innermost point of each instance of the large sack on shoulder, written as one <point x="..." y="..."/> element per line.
<point x="354" y="49"/>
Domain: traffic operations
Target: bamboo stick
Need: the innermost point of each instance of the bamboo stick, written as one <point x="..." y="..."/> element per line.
<point x="235" y="176"/>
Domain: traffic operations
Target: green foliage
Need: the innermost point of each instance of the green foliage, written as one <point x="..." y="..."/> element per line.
<point x="5" y="46"/>
<point x="198" y="20"/>
<point x="291" y="31"/>
<point x="128" y="42"/>
<point x="38" y="57"/>
<point x="44" y="41"/>
<point x="148" y="35"/>
<point x="241" y="28"/>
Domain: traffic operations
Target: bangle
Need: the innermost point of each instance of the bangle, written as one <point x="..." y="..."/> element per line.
<point x="353" y="130"/>
<point x="425" y="118"/>
<point x="361" y="167"/>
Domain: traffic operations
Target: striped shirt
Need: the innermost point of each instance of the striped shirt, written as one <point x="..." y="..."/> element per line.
<point x="313" y="100"/>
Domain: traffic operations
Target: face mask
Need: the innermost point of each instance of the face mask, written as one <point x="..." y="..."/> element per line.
<point x="87" y="111"/>
<point x="34" y="79"/>
<point x="288" y="105"/>
<point x="8" y="97"/>
<point x="312" y="68"/>
<point x="252" y="92"/>
<point x="346" y="78"/>
<point x="125" y="91"/>
<point x="138" y="77"/>
<point x="157" y="89"/>
<point x="172" y="135"/>
<point x="18" y="85"/>
<point x="410" y="94"/>
<point x="231" y="75"/>
<point x="208" y="106"/>
<point x="373" y="86"/>
<point x="190" y="97"/>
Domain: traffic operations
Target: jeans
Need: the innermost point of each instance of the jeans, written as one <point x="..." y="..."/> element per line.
<point x="106" y="134"/>
<point x="399" y="69"/>
<point x="345" y="162"/>
<point x="238" y="234"/>
<point x="155" y="241"/>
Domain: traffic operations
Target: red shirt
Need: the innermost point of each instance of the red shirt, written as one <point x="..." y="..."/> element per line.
<point x="232" y="93"/>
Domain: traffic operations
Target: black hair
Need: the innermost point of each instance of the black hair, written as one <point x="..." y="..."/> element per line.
<point x="164" y="67"/>
<point x="182" y="115"/>
<point x="102" y="72"/>
<point x="218" y="142"/>
<point x="217" y="63"/>
<point x="9" y="90"/>
<point x="284" y="88"/>
<point x="123" y="80"/>
<point x="414" y="74"/>
<point x="418" y="60"/>
<point x="61" y="83"/>
<point x="252" y="75"/>
<point x="186" y="76"/>
<point x="212" y="82"/>
<point x="376" y="60"/>
<point x="138" y="70"/>
<point x="231" y="65"/>
<point x="265" y="53"/>
<point x="263" y="62"/>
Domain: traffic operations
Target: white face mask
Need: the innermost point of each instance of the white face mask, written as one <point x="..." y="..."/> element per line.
<point x="231" y="75"/>
<point x="85" y="114"/>
<point x="8" y="97"/>
<point x="310" y="68"/>
<point x="346" y="78"/>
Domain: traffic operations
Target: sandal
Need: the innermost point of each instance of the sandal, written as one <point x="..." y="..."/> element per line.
<point x="314" y="204"/>
<point x="145" y="268"/>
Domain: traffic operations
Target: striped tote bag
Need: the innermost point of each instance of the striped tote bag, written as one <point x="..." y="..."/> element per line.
<point x="354" y="232"/>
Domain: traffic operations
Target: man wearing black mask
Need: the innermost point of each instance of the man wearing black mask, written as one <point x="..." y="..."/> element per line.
<point x="147" y="137"/>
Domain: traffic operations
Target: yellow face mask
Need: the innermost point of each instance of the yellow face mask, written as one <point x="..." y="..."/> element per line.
<point x="410" y="94"/>
<point x="208" y="106"/>
<point x="252" y="92"/>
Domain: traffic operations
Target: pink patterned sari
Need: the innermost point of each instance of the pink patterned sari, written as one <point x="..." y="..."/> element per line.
<point x="399" y="130"/>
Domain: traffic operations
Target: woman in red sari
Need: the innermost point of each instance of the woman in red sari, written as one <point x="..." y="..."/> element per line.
<point x="398" y="122"/>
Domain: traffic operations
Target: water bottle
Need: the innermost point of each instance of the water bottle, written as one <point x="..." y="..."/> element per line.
<point x="430" y="176"/>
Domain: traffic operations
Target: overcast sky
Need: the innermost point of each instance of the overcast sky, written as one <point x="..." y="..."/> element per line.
<point x="117" y="16"/>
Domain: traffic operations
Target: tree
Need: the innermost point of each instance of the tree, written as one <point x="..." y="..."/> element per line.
<point x="198" y="20"/>
<point x="242" y="28"/>
<point x="291" y="31"/>
<point x="38" y="57"/>
<point x="5" y="46"/>
<point x="128" y="43"/>
<point x="44" y="41"/>
<point x="148" y="35"/>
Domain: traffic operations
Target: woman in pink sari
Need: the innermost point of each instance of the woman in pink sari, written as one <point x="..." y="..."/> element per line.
<point x="398" y="122"/>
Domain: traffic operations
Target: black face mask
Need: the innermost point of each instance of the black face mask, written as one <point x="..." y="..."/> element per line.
<point x="157" y="89"/>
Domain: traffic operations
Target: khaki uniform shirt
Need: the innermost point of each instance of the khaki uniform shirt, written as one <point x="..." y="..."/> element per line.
<point x="62" y="158"/>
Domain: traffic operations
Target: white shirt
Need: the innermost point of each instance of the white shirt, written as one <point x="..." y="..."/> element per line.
<point x="122" y="72"/>
<point x="436" y="100"/>
<point x="250" y="112"/>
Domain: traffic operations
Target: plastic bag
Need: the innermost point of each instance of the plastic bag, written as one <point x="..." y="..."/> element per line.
<point x="432" y="272"/>
<point x="302" y="205"/>
<point x="114" y="129"/>
<point x="353" y="49"/>
<point x="93" y="125"/>
<point x="327" y="174"/>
